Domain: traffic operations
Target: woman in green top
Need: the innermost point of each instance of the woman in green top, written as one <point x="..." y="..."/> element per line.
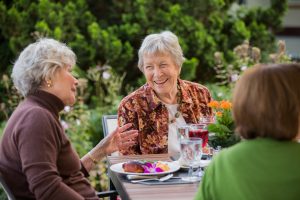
<point x="265" y="165"/>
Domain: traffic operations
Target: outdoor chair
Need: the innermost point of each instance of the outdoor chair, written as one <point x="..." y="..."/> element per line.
<point x="6" y="189"/>
<point x="112" y="194"/>
<point x="109" y="124"/>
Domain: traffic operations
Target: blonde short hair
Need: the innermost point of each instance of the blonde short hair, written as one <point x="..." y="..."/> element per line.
<point x="266" y="102"/>
<point x="38" y="61"/>
<point x="165" y="42"/>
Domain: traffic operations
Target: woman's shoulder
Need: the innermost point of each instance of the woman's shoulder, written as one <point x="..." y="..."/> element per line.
<point x="259" y="147"/>
<point x="195" y="89"/>
<point x="193" y="85"/>
<point x="136" y="96"/>
<point x="28" y="119"/>
<point x="32" y="108"/>
<point x="29" y="113"/>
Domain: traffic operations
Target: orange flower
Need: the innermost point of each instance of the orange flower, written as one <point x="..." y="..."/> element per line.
<point x="226" y="105"/>
<point x="219" y="114"/>
<point x="213" y="104"/>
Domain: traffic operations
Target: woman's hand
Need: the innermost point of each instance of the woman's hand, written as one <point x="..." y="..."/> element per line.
<point x="119" y="139"/>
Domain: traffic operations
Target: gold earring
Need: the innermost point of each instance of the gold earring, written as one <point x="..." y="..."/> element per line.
<point x="49" y="83"/>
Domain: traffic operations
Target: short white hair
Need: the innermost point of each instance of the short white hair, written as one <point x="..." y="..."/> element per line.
<point x="39" y="61"/>
<point x="164" y="42"/>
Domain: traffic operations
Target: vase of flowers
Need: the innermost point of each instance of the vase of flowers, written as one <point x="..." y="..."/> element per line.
<point x="223" y="127"/>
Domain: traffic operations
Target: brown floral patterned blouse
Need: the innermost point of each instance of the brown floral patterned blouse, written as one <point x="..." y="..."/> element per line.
<point x="150" y="117"/>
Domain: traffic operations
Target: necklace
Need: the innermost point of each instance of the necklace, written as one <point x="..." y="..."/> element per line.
<point x="179" y="100"/>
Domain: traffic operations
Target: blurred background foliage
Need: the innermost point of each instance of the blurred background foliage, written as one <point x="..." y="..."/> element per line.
<point x="220" y="38"/>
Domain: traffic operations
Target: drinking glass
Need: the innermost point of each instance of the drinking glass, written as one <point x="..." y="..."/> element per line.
<point x="191" y="153"/>
<point x="183" y="132"/>
<point x="199" y="131"/>
<point x="206" y="120"/>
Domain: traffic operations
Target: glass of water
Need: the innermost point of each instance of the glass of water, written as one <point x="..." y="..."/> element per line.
<point x="206" y="120"/>
<point x="191" y="153"/>
<point x="183" y="132"/>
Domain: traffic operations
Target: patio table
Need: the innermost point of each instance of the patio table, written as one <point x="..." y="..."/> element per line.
<point x="132" y="191"/>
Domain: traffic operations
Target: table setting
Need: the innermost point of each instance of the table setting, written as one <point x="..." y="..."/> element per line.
<point x="151" y="175"/>
<point x="164" y="186"/>
<point x="185" y="167"/>
<point x="139" y="176"/>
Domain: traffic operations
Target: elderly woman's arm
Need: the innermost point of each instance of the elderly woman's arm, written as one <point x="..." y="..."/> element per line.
<point x="118" y="139"/>
<point x="126" y="114"/>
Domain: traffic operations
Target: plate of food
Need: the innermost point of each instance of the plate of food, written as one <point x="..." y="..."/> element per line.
<point x="141" y="167"/>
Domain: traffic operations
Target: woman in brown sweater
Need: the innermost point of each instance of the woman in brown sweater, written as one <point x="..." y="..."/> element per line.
<point x="36" y="157"/>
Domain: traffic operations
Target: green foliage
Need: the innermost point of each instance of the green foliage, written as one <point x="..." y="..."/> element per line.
<point x="243" y="57"/>
<point x="110" y="32"/>
<point x="2" y="126"/>
<point x="83" y="122"/>
<point x="10" y="98"/>
<point x="2" y="194"/>
<point x="188" y="70"/>
<point x="223" y="127"/>
<point x="98" y="176"/>
<point x="219" y="92"/>
<point x="107" y="86"/>
<point x="75" y="121"/>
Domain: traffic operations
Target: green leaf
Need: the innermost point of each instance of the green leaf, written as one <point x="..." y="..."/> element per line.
<point x="188" y="70"/>
<point x="218" y="128"/>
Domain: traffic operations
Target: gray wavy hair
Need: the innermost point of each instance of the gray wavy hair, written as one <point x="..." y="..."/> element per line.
<point x="164" y="42"/>
<point x="38" y="62"/>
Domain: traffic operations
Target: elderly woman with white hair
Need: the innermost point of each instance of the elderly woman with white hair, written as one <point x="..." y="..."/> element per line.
<point x="165" y="101"/>
<point x="36" y="157"/>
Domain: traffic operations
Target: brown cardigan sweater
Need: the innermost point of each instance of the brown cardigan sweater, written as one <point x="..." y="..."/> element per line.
<point x="36" y="157"/>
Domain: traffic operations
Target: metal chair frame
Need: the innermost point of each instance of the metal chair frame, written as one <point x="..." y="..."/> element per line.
<point x="107" y="129"/>
<point x="6" y="189"/>
<point x="105" y="123"/>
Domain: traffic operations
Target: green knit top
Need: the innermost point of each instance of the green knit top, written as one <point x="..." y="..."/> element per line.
<point x="254" y="169"/>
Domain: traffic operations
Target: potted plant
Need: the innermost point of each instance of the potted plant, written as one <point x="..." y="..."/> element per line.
<point x="223" y="127"/>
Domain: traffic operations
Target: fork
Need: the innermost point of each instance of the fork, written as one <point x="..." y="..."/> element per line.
<point x="164" y="178"/>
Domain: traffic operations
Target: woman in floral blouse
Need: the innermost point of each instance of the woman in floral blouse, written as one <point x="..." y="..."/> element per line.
<point x="157" y="108"/>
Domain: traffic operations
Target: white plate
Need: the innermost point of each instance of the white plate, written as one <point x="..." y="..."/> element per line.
<point x="174" y="166"/>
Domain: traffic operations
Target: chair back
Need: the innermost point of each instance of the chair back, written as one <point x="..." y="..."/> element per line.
<point x="109" y="124"/>
<point x="6" y="189"/>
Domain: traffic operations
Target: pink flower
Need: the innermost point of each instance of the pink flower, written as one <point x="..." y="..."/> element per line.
<point x="151" y="168"/>
<point x="64" y="124"/>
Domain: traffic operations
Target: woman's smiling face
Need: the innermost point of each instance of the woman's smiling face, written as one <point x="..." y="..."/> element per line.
<point x="161" y="73"/>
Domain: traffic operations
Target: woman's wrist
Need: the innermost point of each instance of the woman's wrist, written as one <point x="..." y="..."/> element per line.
<point x="95" y="161"/>
<point x="96" y="154"/>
